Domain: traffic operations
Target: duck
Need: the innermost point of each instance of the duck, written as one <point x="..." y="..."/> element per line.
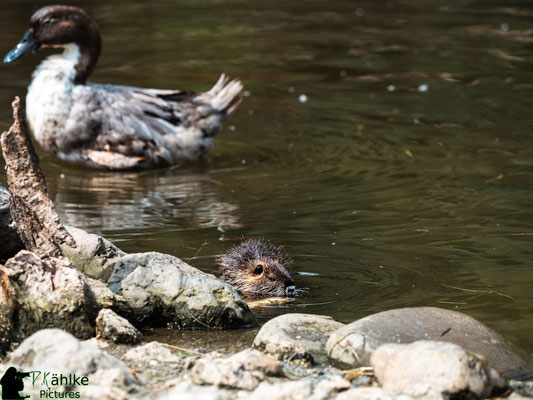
<point x="110" y="126"/>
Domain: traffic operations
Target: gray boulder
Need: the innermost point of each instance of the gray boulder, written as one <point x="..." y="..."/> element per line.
<point x="162" y="289"/>
<point x="184" y="390"/>
<point x="524" y="387"/>
<point x="57" y="352"/>
<point x="296" y="337"/>
<point x="352" y="345"/>
<point x="369" y="393"/>
<point x="435" y="370"/>
<point x="99" y="296"/>
<point x="244" y="370"/>
<point x="93" y="255"/>
<point x="111" y="326"/>
<point x="155" y="361"/>
<point x="151" y="353"/>
<point x="310" y="388"/>
<point x="50" y="293"/>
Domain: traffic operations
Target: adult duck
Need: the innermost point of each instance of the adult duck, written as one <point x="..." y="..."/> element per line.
<point x="109" y="126"/>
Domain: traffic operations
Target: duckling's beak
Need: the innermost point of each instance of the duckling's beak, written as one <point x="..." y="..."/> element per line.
<point x="26" y="45"/>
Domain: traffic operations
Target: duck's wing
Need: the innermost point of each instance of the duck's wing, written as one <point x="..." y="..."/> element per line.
<point x="133" y="126"/>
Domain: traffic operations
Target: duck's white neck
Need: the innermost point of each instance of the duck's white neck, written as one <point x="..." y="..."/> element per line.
<point x="48" y="101"/>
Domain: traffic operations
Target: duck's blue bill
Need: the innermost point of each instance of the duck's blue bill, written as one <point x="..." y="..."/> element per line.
<point x="25" y="46"/>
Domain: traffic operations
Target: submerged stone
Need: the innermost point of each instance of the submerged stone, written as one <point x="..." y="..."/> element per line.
<point x="352" y="345"/>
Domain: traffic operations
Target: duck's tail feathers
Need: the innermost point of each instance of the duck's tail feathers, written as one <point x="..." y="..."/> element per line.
<point x="225" y="96"/>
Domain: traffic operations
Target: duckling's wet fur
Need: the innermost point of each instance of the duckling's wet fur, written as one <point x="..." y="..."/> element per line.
<point x="256" y="268"/>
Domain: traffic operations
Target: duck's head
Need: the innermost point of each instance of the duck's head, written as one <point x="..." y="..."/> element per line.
<point x="62" y="26"/>
<point x="257" y="268"/>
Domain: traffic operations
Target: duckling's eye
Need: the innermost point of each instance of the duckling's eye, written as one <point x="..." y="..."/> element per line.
<point x="258" y="270"/>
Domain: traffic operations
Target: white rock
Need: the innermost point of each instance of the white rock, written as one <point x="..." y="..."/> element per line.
<point x="433" y="370"/>
<point x="293" y="337"/>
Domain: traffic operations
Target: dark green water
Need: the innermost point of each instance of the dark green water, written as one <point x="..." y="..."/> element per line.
<point x="405" y="179"/>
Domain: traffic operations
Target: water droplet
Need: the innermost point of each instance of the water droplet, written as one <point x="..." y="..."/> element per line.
<point x="62" y="176"/>
<point x="391" y="88"/>
<point x="246" y="93"/>
<point x="504" y="27"/>
<point x="232" y="128"/>
<point x="302" y="98"/>
<point x="423" y="88"/>
<point x="243" y="161"/>
<point x="291" y="89"/>
<point x="333" y="243"/>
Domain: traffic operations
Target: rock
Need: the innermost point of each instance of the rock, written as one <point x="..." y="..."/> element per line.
<point x="57" y="352"/>
<point x="10" y="243"/>
<point x="352" y="345"/>
<point x="155" y="361"/>
<point x="369" y="393"/>
<point x="523" y="388"/>
<point x="293" y="337"/>
<point x="244" y="370"/>
<point x="435" y="370"/>
<point x="162" y="289"/>
<point x="7" y="308"/>
<point x="113" y="327"/>
<point x="516" y="396"/>
<point x="187" y="391"/>
<point x="301" y="389"/>
<point x="93" y="255"/>
<point x="99" y="296"/>
<point x="310" y="388"/>
<point x="50" y="294"/>
<point x="153" y="353"/>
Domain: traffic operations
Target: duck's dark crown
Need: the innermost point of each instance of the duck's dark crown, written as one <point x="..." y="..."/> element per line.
<point x="60" y="25"/>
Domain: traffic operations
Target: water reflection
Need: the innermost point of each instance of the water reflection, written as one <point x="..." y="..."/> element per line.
<point x="131" y="201"/>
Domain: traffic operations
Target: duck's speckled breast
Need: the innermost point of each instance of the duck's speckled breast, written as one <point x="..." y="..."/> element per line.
<point x="48" y="102"/>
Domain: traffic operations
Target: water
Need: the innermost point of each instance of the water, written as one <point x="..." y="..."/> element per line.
<point x="386" y="145"/>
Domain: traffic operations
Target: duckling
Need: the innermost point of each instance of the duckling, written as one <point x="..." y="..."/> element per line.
<point x="109" y="126"/>
<point x="257" y="268"/>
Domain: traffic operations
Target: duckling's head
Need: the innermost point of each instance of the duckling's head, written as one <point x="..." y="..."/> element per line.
<point x="257" y="268"/>
<point x="62" y="26"/>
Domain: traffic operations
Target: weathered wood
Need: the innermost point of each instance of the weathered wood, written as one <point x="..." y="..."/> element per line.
<point x="10" y="243"/>
<point x="32" y="211"/>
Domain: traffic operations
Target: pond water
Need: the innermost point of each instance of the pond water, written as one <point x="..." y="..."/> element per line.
<point x="386" y="145"/>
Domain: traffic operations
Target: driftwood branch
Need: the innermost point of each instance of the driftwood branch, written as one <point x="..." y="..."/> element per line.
<point x="32" y="211"/>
